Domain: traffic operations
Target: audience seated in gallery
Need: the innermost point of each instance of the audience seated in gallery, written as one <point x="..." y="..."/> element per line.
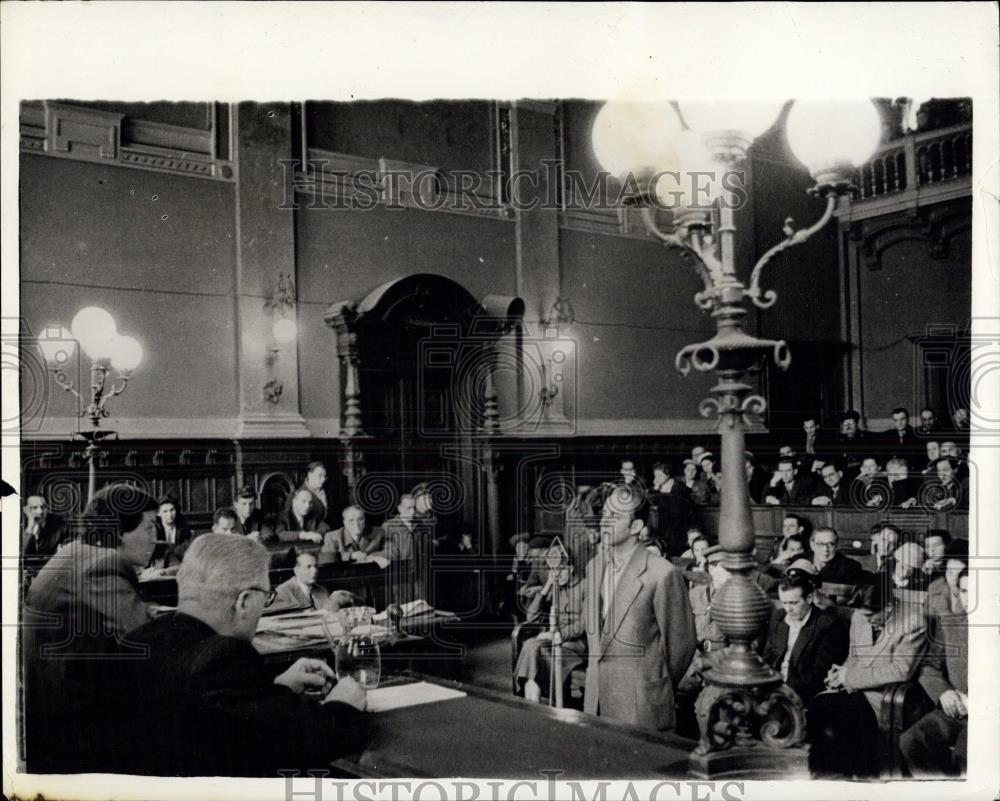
<point x="355" y="541"/>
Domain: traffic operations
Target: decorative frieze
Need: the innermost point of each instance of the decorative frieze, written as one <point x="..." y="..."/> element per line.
<point x="79" y="133"/>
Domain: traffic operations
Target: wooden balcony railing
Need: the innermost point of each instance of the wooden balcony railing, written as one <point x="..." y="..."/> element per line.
<point x="916" y="161"/>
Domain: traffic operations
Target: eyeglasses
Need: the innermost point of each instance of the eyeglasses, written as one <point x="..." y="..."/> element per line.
<point x="830" y="544"/>
<point x="271" y="594"/>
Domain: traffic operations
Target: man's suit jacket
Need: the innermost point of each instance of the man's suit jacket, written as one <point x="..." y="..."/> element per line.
<point x="894" y="656"/>
<point x="839" y="495"/>
<point x="290" y="593"/>
<point x="372" y="540"/>
<point x="217" y="710"/>
<point x="946" y="665"/>
<point x="289" y="527"/>
<point x="257" y="522"/>
<point x="802" y="492"/>
<point x="841" y="570"/>
<point x="321" y="512"/>
<point x="853" y="450"/>
<point x="646" y="644"/>
<point x="821" y="644"/>
<point x="903" y="490"/>
<point x="892" y="444"/>
<point x="46" y="540"/>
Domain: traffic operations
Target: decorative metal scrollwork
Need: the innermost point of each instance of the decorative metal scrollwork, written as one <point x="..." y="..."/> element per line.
<point x="729" y="716"/>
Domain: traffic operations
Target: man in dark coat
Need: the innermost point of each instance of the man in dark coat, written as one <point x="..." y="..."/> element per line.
<point x="793" y="488"/>
<point x="803" y="641"/>
<point x="832" y="567"/>
<point x="218" y="710"/>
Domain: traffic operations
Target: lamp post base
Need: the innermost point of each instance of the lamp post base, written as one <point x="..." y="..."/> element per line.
<point x="753" y="731"/>
<point x="752" y="763"/>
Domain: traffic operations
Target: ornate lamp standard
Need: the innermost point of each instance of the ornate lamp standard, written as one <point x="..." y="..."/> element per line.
<point x="751" y="723"/>
<point x="94" y="329"/>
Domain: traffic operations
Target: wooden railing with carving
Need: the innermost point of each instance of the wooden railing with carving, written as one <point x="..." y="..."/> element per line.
<point x="915" y="161"/>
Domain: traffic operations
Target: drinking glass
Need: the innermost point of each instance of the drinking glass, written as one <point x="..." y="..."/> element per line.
<point x="356" y="652"/>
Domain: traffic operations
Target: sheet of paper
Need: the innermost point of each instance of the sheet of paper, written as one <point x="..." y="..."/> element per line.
<point x="396" y="697"/>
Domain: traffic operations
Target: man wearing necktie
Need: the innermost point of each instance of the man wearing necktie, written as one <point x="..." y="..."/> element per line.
<point x="640" y="628"/>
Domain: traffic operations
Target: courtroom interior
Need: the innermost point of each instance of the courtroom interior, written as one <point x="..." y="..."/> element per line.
<point x="321" y="401"/>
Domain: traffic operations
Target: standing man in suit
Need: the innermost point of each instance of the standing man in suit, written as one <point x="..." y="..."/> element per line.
<point x="900" y="440"/>
<point x="814" y="449"/>
<point x="640" y="628"/>
<point x="927" y="745"/>
<point x="803" y="641"/>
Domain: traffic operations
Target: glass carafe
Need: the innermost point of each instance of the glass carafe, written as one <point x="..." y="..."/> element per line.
<point x="356" y="652"/>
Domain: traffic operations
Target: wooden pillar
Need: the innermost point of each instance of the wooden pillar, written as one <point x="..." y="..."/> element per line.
<point x="342" y="318"/>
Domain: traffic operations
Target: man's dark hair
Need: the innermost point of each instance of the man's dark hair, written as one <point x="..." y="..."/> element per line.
<point x="700" y="538"/>
<point x="938" y="532"/>
<point x="802" y="540"/>
<point x="227" y="513"/>
<point x="113" y="511"/>
<point x="246" y="491"/>
<point x="792" y="516"/>
<point x="836" y="464"/>
<point x="786" y="460"/>
<point x="850" y="414"/>
<point x="900" y="410"/>
<point x="165" y="499"/>
<point x="663" y="467"/>
<point x="797" y="579"/>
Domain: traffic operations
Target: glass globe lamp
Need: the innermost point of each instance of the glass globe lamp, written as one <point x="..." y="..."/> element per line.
<point x="833" y="139"/>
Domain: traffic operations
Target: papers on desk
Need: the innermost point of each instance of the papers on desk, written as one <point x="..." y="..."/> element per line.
<point x="411" y="609"/>
<point x="401" y="695"/>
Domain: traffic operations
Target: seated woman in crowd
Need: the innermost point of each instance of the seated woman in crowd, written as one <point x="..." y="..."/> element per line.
<point x="84" y="601"/>
<point x="173" y="535"/>
<point x="888" y="640"/>
<point x="698" y="489"/>
<point x="534" y="663"/>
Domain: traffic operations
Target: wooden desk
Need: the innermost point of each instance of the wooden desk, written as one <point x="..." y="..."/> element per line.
<point x="492" y="735"/>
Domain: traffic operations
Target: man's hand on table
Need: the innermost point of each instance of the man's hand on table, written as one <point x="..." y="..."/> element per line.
<point x="306" y="674"/>
<point x="310" y="536"/>
<point x="348" y="691"/>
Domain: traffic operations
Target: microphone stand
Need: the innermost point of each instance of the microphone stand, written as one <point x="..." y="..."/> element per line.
<point x="555" y="675"/>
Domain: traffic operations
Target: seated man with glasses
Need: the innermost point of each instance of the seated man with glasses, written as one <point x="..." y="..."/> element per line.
<point x="832" y="567"/>
<point x="203" y="703"/>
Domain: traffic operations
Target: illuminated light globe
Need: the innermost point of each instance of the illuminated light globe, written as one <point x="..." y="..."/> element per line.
<point x="125" y="353"/>
<point x="285" y="331"/>
<point x="730" y="128"/>
<point x="57" y="344"/>
<point x="634" y="137"/>
<point x="689" y="179"/>
<point x="93" y="328"/>
<point x="832" y="139"/>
